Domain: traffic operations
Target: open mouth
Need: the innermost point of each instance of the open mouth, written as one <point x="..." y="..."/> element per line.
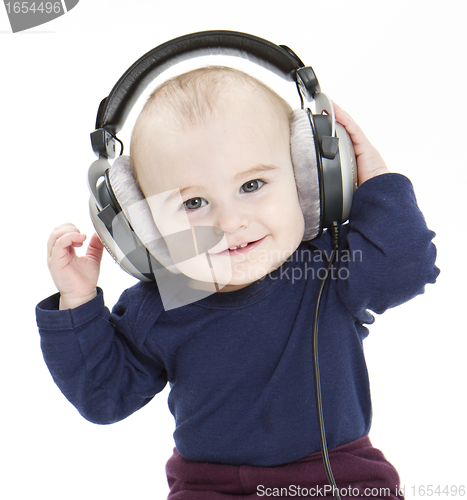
<point x="245" y="247"/>
<point x="240" y="246"/>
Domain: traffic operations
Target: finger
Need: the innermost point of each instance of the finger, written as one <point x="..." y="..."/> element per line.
<point x="59" y="231"/>
<point x="64" y="245"/>
<point x="357" y="135"/>
<point x="66" y="226"/>
<point x="53" y="239"/>
<point x="344" y="118"/>
<point x="95" y="248"/>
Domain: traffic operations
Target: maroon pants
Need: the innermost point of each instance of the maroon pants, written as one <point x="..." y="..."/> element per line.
<point x="360" y="471"/>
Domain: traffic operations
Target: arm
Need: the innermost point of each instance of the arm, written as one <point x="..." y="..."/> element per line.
<point x="390" y="252"/>
<point x="94" y="357"/>
<point x="389" y="249"/>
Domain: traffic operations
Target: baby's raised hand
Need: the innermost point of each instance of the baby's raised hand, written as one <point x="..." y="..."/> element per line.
<point x="369" y="161"/>
<point x="75" y="277"/>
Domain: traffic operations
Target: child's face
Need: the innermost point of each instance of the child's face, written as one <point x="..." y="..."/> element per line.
<point x="233" y="171"/>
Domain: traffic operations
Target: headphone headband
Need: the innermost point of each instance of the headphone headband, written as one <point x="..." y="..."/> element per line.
<point x="114" y="109"/>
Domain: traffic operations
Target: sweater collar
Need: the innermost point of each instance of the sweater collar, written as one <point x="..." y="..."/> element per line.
<point x="244" y="296"/>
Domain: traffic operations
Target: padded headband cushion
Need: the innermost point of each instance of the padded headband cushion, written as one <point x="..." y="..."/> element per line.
<point x="115" y="108"/>
<point x="305" y="165"/>
<point x="137" y="211"/>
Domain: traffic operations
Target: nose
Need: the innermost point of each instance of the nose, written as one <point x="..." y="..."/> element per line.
<point x="230" y="217"/>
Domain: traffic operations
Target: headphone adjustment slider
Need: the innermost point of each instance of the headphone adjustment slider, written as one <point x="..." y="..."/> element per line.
<point x="103" y="143"/>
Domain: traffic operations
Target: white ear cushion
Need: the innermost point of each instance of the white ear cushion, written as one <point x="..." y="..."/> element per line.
<point x="303" y="153"/>
<point x="137" y="211"/>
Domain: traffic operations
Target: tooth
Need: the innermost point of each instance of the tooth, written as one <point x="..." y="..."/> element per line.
<point x="244" y="245"/>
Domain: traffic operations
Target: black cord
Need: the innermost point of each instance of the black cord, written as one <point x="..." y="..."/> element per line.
<point x="319" y="406"/>
<point x="302" y="103"/>
<point x="121" y="143"/>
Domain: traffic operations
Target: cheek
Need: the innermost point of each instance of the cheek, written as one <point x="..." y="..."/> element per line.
<point x="282" y="211"/>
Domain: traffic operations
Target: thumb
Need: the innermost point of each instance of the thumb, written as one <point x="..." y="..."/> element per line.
<point x="95" y="248"/>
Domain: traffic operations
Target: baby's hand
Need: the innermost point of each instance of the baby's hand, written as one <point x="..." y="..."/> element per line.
<point x="369" y="161"/>
<point x="75" y="277"/>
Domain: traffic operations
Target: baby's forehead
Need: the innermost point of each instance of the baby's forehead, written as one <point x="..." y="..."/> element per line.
<point x="194" y="106"/>
<point x="196" y="95"/>
<point x="199" y="97"/>
<point x="240" y="104"/>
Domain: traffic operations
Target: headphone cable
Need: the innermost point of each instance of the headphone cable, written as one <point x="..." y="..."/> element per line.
<point x="319" y="406"/>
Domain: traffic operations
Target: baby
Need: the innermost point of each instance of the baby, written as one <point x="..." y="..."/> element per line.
<point x="215" y="143"/>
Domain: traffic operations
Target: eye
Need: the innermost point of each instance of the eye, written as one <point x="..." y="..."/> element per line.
<point x="194" y="203"/>
<point x="251" y="186"/>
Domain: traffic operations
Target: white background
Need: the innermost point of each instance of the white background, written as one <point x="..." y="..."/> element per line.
<point x="398" y="67"/>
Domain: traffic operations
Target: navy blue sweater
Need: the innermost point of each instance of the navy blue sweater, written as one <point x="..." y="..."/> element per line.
<point x="239" y="364"/>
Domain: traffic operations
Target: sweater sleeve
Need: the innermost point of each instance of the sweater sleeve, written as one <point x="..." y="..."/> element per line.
<point x="98" y="359"/>
<point x="386" y="255"/>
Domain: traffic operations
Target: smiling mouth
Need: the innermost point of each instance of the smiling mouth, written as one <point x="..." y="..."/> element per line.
<point x="245" y="247"/>
<point x="240" y="246"/>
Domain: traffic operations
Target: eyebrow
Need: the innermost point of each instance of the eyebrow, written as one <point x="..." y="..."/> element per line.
<point x="258" y="169"/>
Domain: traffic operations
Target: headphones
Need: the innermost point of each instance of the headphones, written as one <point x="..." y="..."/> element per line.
<point x="322" y="153"/>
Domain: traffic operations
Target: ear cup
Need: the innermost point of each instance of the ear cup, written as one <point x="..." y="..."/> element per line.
<point x="325" y="185"/>
<point x="137" y="211"/>
<point x="305" y="165"/>
<point x="113" y="228"/>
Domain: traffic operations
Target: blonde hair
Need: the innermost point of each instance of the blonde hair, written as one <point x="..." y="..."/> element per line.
<point x="190" y="98"/>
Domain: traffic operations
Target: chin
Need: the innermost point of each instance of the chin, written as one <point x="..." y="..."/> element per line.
<point x="231" y="288"/>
